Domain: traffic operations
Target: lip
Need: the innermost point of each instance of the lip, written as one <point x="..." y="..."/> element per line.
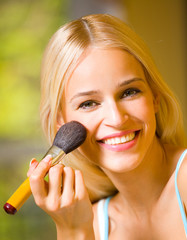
<point x="120" y="147"/>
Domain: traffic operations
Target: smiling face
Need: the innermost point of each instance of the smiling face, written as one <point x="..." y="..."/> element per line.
<point x="109" y="95"/>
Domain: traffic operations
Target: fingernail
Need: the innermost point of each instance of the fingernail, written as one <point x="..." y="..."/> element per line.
<point x="47" y="159"/>
<point x="32" y="161"/>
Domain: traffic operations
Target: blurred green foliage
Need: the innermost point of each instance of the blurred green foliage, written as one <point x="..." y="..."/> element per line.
<point x="25" y="28"/>
<point x="30" y="222"/>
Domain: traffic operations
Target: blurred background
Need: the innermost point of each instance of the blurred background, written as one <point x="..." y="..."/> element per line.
<point x="25" y="29"/>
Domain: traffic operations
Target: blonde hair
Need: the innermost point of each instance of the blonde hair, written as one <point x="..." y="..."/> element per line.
<point x="62" y="55"/>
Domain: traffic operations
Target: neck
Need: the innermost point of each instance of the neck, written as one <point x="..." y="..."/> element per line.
<point x="141" y="187"/>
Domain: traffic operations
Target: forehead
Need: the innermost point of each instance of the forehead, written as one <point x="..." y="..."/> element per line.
<point x="104" y="66"/>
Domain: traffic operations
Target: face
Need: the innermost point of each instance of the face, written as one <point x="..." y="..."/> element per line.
<point x="109" y="95"/>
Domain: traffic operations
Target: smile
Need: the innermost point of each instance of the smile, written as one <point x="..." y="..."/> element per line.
<point x="120" y="140"/>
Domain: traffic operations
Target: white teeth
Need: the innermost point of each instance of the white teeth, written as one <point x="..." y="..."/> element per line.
<point x="119" y="140"/>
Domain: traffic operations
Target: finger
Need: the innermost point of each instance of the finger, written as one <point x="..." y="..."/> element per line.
<point x="68" y="185"/>
<point x="33" y="165"/>
<point x="37" y="182"/>
<point x="80" y="188"/>
<point x="44" y="166"/>
<point x="55" y="181"/>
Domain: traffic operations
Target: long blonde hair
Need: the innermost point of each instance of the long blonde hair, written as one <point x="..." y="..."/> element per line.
<point x="60" y="59"/>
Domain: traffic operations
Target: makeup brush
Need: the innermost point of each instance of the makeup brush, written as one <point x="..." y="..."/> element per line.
<point x="70" y="136"/>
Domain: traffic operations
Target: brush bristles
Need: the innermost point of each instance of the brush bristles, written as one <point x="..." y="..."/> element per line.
<point x="70" y="136"/>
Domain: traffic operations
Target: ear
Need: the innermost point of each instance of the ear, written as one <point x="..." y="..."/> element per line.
<point x="156" y="102"/>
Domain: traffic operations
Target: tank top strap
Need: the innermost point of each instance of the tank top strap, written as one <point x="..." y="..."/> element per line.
<point x="103" y="221"/>
<point x="178" y="194"/>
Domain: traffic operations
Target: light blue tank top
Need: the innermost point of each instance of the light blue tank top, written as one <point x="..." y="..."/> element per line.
<point x="102" y="210"/>
<point x="178" y="194"/>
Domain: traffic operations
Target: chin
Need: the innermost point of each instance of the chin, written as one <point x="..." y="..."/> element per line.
<point x="121" y="165"/>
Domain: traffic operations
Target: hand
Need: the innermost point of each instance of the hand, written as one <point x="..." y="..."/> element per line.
<point x="64" y="197"/>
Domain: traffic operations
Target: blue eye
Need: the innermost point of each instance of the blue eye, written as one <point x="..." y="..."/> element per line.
<point x="130" y="92"/>
<point x="88" y="104"/>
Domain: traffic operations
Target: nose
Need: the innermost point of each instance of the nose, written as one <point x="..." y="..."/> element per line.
<point x="115" y="115"/>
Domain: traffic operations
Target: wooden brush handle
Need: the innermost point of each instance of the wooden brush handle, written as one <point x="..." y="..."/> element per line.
<point x="18" y="198"/>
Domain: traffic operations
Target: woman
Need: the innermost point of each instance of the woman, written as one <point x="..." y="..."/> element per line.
<point x="120" y="184"/>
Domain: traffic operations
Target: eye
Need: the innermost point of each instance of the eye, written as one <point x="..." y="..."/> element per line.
<point x="130" y="92"/>
<point x="88" y="105"/>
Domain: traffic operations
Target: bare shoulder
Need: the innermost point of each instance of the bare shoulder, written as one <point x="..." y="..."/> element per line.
<point x="95" y="221"/>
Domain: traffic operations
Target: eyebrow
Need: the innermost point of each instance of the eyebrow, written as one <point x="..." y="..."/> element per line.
<point x="129" y="81"/>
<point x="80" y="94"/>
<point x="92" y="92"/>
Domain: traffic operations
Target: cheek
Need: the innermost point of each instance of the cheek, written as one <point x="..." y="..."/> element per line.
<point x="89" y="150"/>
<point x="148" y="116"/>
<point x="89" y="120"/>
<point x="144" y="110"/>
